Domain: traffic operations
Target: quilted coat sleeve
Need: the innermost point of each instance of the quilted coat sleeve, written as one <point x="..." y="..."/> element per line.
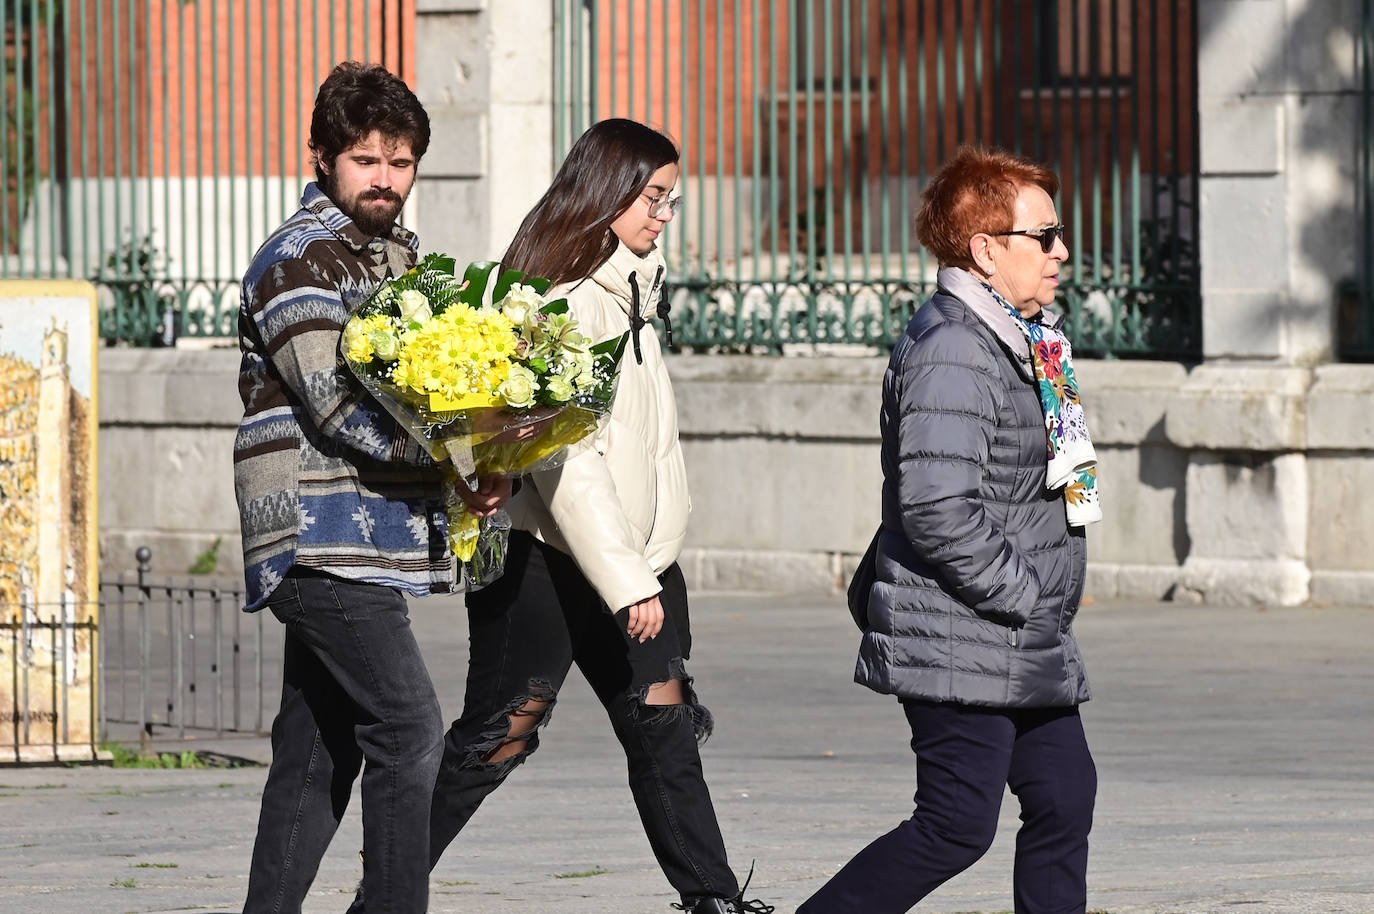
<point x="946" y="399"/>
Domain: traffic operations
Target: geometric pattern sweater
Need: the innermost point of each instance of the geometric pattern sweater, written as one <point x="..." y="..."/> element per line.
<point x="325" y="477"/>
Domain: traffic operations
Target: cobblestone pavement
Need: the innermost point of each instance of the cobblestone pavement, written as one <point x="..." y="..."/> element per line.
<point x="1235" y="749"/>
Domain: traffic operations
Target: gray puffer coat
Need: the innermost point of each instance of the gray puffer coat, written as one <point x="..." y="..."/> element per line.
<point x="978" y="573"/>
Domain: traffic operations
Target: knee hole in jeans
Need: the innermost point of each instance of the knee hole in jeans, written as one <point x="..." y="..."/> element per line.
<point x="670" y="692"/>
<point x="669" y="701"/>
<point x="515" y="729"/>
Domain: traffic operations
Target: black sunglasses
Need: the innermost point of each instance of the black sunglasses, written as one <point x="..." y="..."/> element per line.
<point x="1047" y="236"/>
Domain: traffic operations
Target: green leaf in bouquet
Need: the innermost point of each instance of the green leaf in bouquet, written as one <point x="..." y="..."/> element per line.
<point x="437" y="263"/>
<point x="539" y="283"/>
<point x="507" y="279"/>
<point x="477" y="276"/>
<point x="539" y="366"/>
<point x="612" y="348"/>
<point x="432" y="277"/>
<point x="441" y="290"/>
<point x="557" y="306"/>
<point x="607" y="354"/>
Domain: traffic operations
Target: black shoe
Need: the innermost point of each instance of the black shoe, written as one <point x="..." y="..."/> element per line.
<point x="704" y="906"/>
<point x="736" y="905"/>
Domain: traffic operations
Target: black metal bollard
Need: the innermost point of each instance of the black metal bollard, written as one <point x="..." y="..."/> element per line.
<point x="144" y="556"/>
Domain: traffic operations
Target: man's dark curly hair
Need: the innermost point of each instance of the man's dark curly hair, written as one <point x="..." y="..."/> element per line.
<point x="357" y="99"/>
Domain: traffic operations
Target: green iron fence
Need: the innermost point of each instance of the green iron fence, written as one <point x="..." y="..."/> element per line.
<point x="809" y="127"/>
<point x="1355" y="307"/>
<point x="151" y="145"/>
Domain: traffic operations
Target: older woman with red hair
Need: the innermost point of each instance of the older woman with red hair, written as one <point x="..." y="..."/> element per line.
<point x="977" y="569"/>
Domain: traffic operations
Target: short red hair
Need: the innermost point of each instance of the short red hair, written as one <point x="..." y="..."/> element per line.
<point x="975" y="192"/>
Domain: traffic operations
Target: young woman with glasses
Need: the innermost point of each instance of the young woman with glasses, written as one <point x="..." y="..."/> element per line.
<point x="591" y="573"/>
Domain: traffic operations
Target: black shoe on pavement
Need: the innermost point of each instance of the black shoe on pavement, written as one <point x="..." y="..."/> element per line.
<point x="728" y="906"/>
<point x="736" y="905"/>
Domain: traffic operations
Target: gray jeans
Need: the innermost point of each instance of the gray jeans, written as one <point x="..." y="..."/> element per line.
<point x="355" y="696"/>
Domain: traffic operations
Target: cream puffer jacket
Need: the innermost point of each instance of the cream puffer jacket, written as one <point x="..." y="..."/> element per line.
<point x="619" y="508"/>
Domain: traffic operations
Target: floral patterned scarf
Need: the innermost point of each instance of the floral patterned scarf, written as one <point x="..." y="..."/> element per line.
<point x="1072" y="460"/>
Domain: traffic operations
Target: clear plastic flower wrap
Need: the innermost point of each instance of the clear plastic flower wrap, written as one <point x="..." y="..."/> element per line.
<point x="488" y="375"/>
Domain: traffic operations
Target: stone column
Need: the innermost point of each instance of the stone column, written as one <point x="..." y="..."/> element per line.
<point x="1278" y="120"/>
<point x="1245" y="429"/>
<point x="485" y="75"/>
<point x="1279" y="106"/>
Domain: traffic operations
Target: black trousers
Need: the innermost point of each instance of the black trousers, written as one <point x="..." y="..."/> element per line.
<point x="964" y="757"/>
<point x="355" y="696"/>
<point x="526" y="631"/>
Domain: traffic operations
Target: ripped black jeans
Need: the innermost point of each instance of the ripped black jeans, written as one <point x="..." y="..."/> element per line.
<point x="526" y="631"/>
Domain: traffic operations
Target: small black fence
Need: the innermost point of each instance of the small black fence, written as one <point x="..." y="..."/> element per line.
<point x="173" y="658"/>
<point x="45" y="654"/>
<point x="179" y="655"/>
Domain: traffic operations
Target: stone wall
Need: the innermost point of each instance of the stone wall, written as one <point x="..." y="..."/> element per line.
<point x="782" y="459"/>
<point x="1224" y="485"/>
<point x="167" y="424"/>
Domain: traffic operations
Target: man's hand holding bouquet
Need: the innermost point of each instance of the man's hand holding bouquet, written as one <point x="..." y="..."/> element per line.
<point x="490" y="376"/>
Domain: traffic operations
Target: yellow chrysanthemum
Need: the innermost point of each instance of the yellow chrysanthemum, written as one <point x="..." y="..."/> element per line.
<point x="403" y="373"/>
<point x="357" y="345"/>
<point x="462" y="352"/>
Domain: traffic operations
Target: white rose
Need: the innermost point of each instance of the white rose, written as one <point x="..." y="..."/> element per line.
<point x="414" y="306"/>
<point x="384" y="344"/>
<point x="518" y="388"/>
<point x="520" y="301"/>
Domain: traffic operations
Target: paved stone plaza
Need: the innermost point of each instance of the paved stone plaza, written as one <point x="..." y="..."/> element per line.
<point x="1235" y="748"/>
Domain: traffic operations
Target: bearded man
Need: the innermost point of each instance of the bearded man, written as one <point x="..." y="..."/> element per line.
<point x="342" y="514"/>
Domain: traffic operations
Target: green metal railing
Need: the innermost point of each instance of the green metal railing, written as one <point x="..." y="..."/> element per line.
<point x="1355" y="304"/>
<point x="151" y="145"/>
<point x="808" y="129"/>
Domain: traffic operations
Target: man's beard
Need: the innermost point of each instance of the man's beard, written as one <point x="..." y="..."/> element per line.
<point x="374" y="221"/>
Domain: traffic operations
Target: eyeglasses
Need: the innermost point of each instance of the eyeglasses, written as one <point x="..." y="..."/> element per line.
<point x="660" y="202"/>
<point x="1047" y="236"/>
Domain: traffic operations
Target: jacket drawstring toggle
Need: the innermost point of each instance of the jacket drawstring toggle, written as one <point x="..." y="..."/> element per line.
<point x="664" y="306"/>
<point x="637" y="321"/>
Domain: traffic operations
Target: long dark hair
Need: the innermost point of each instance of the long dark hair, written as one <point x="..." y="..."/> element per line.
<point x="567" y="235"/>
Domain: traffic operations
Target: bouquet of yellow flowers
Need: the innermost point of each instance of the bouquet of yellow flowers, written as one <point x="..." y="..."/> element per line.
<point x="487" y="374"/>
